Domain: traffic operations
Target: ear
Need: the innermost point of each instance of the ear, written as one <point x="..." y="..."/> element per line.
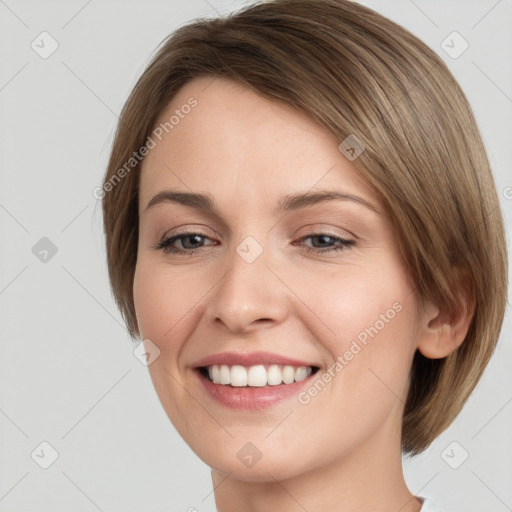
<point x="443" y="329"/>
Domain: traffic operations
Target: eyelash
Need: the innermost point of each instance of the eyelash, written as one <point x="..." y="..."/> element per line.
<point x="165" y="245"/>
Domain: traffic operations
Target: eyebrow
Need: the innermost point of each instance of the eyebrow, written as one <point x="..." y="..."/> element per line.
<point x="288" y="203"/>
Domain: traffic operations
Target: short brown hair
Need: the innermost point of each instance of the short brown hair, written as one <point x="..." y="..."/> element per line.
<point x="356" y="73"/>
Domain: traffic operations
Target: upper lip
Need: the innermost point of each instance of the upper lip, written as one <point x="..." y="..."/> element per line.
<point x="249" y="359"/>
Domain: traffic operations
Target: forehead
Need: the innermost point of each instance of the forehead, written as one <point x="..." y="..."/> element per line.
<point x="235" y="143"/>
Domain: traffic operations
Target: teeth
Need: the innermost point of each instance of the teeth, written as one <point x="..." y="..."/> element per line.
<point x="225" y="375"/>
<point x="274" y="376"/>
<point x="288" y="374"/>
<point x="257" y="376"/>
<point x="238" y="376"/>
<point x="301" y="373"/>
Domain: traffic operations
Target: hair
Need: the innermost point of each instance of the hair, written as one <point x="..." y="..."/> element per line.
<point x="356" y="73"/>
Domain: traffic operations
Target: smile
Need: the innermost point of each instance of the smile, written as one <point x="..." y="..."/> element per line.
<point x="256" y="376"/>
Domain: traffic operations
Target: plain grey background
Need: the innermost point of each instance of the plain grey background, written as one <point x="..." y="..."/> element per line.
<point x="68" y="376"/>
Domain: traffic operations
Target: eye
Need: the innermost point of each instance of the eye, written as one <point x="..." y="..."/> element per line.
<point x="191" y="239"/>
<point x="191" y="242"/>
<point x="326" y="238"/>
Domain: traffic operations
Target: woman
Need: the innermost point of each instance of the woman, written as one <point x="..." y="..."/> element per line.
<point x="303" y="228"/>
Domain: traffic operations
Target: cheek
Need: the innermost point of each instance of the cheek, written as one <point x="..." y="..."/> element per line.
<point x="163" y="299"/>
<point x="360" y="300"/>
<point x="371" y="322"/>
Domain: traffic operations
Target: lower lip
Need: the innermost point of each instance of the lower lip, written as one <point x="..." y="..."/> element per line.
<point x="251" y="398"/>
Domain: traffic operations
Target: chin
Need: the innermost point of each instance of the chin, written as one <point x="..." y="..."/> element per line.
<point x="242" y="460"/>
<point x="262" y="471"/>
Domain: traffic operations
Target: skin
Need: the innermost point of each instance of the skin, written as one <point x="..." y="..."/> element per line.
<point x="341" y="451"/>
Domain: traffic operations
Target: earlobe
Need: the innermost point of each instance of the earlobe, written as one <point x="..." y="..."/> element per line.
<point x="443" y="329"/>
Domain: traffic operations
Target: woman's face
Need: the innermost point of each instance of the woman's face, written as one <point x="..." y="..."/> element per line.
<point x="261" y="275"/>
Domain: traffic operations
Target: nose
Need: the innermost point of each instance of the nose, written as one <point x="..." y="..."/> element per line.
<point x="250" y="295"/>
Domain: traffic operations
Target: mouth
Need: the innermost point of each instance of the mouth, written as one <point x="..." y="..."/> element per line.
<point x="253" y="388"/>
<point x="256" y="376"/>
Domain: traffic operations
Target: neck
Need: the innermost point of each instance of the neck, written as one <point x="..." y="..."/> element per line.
<point x="370" y="478"/>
